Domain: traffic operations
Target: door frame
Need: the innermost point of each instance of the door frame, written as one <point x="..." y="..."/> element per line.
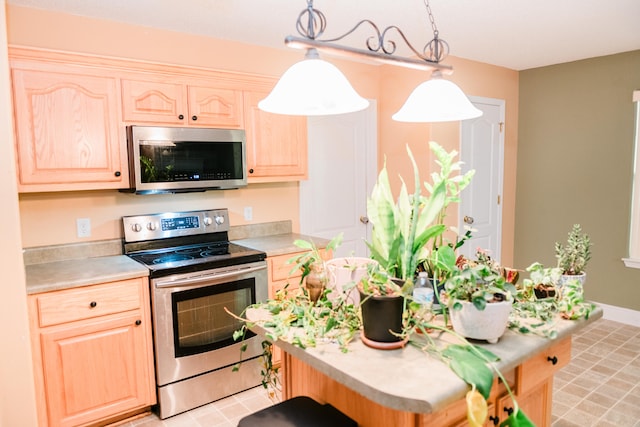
<point x="501" y="103"/>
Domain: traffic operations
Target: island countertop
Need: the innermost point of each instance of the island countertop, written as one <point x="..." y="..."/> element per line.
<point x="408" y="379"/>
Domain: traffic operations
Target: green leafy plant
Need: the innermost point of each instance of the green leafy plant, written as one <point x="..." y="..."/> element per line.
<point x="478" y="284"/>
<point x="402" y="228"/>
<point x="571" y="303"/>
<point x="576" y="253"/>
<point x="292" y="317"/>
<point x="438" y="264"/>
<point x="535" y="315"/>
<point x="377" y="282"/>
<point x="473" y="364"/>
<point x="454" y="182"/>
<point x="312" y="265"/>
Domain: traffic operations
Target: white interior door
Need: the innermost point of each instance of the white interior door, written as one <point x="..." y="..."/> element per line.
<point x="342" y="172"/>
<point x="482" y="149"/>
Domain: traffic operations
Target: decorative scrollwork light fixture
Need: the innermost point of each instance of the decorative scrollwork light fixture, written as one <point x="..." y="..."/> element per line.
<point x="316" y="87"/>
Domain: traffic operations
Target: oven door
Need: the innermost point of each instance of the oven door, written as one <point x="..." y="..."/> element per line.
<point x="193" y="333"/>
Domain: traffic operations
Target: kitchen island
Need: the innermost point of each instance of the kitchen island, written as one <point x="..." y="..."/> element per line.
<point x="408" y="388"/>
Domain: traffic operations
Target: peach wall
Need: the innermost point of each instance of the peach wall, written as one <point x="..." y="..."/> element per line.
<point x="389" y="85"/>
<point x="105" y="209"/>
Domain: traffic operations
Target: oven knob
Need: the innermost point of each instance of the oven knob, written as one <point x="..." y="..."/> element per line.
<point x="152" y="226"/>
<point x="136" y="227"/>
<point x="219" y="220"/>
<point x="207" y="221"/>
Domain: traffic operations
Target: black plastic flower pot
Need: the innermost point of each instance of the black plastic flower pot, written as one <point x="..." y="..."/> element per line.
<point x="382" y="315"/>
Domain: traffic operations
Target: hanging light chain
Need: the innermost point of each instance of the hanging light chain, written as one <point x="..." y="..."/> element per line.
<point x="437" y="49"/>
<point x="316" y="22"/>
<point x="433" y="21"/>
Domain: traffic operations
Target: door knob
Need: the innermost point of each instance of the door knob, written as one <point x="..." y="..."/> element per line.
<point x="468" y="219"/>
<point x="364" y="220"/>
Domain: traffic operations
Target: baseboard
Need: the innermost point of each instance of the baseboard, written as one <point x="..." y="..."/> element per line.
<point x="620" y="314"/>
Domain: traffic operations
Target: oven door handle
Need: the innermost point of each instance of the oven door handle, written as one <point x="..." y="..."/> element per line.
<point x="206" y="277"/>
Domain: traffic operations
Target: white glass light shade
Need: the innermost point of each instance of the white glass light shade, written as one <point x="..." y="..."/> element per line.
<point x="436" y="100"/>
<point x="313" y="87"/>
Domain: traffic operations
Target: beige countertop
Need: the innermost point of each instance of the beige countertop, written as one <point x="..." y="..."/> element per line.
<point x="408" y="379"/>
<point x="279" y="244"/>
<point x="53" y="276"/>
<point x="53" y="273"/>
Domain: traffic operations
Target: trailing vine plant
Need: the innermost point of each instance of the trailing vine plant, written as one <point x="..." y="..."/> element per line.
<point x="293" y="318"/>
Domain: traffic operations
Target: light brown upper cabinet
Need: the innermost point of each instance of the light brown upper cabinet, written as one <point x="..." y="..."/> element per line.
<point x="71" y="111"/>
<point x="184" y="104"/>
<point x="67" y="129"/>
<point x="276" y="144"/>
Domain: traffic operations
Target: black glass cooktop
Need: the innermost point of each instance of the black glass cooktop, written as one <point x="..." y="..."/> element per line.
<point x="199" y="257"/>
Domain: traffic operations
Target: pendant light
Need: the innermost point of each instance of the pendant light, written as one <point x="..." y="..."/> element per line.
<point x="436" y="100"/>
<point x="315" y="87"/>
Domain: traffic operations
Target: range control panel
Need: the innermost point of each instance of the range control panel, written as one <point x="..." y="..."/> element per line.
<point x="174" y="224"/>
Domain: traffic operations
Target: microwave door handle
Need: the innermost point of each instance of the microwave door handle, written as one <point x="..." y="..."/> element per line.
<point x="205" y="277"/>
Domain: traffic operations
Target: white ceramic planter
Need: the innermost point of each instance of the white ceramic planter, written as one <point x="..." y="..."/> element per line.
<point x="488" y="324"/>
<point x="581" y="278"/>
<point x="345" y="270"/>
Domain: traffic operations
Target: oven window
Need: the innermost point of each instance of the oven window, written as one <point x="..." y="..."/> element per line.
<point x="200" y="322"/>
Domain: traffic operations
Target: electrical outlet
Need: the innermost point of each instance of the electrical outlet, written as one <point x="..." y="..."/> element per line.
<point x="248" y="213"/>
<point x="83" y="226"/>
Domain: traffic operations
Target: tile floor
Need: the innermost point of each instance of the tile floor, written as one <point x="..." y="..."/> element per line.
<point x="599" y="388"/>
<point x="601" y="385"/>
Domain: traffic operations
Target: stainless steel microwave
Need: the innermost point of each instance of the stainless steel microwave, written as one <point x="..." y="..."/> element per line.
<point x="180" y="160"/>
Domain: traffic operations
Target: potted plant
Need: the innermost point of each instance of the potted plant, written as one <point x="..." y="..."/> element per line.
<point x="542" y="282"/>
<point x="574" y="255"/>
<point x="382" y="305"/>
<point x="479" y="301"/>
<point x="312" y="265"/>
<point x="401" y="231"/>
<point x="345" y="273"/>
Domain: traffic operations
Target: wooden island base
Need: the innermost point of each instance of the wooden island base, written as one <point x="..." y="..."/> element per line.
<point x="531" y="381"/>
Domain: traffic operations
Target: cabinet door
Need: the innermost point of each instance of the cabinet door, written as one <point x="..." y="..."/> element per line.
<point x="535" y="403"/>
<point x="209" y="106"/>
<point x="276" y="144"/>
<point x="154" y="102"/>
<point x="68" y="136"/>
<point x="95" y="370"/>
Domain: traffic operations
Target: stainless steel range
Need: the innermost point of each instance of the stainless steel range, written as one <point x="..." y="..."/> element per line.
<point x="195" y="272"/>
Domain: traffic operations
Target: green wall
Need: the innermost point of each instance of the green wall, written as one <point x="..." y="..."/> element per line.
<point x="575" y="165"/>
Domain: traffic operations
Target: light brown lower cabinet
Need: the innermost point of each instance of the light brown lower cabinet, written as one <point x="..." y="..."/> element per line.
<point x="531" y="381"/>
<point x="93" y="356"/>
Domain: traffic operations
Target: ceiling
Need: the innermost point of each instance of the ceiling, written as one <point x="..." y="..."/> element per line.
<point x="517" y="34"/>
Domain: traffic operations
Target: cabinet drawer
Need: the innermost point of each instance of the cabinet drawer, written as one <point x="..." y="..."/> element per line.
<point x="279" y="269"/>
<point x="543" y="366"/>
<point x="87" y="302"/>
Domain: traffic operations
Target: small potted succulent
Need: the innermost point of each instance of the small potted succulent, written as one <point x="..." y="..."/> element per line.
<point x="479" y="301"/>
<point x="574" y="255"/>
<point x="543" y="282"/>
